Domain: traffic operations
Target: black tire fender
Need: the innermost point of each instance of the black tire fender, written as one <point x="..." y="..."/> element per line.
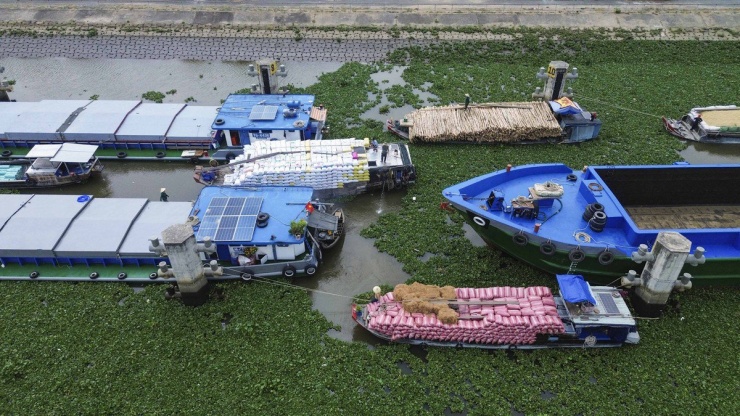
<point x="122" y="275"/>
<point x="311" y="270"/>
<point x="34" y="274"/>
<point x="520" y="239"/>
<point x="576" y="255"/>
<point x="153" y="275"/>
<point x="94" y="275"/>
<point x="247" y="275"/>
<point x="548" y="248"/>
<point x="288" y="271"/>
<point x="160" y="155"/>
<point x="121" y="155"/>
<point x="606" y="257"/>
<point x="7" y="153"/>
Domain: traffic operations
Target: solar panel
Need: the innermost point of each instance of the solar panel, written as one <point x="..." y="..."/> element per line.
<point x="230" y="219"/>
<point x="263" y="112"/>
<point x="607" y="301"/>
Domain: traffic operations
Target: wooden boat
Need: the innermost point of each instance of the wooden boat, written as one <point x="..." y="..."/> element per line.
<point x="48" y="165"/>
<point x="398" y="127"/>
<point x="581" y="316"/>
<point x="715" y="124"/>
<point x="595" y="220"/>
<point x="326" y="224"/>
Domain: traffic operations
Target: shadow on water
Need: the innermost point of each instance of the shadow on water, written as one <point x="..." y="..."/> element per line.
<point x="355" y="267"/>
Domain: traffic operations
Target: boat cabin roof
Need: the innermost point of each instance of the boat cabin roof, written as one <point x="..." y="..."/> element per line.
<point x="65" y="152"/>
<point x="265" y="112"/>
<point x="229" y="215"/>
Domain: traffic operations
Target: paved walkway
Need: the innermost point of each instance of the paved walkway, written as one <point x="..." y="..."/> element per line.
<point x="248" y="33"/>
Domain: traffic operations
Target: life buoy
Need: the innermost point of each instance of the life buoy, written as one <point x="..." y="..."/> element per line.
<point x="480" y="221"/>
<point x="576" y="255"/>
<point x="34" y="274"/>
<point x="160" y="155"/>
<point x="122" y="276"/>
<point x="606" y="257"/>
<point x="310" y="270"/>
<point x="547" y="248"/>
<point x="520" y="239"/>
<point x="94" y="275"/>
<point x="7" y="153"/>
<point x="288" y="271"/>
<point x="247" y="275"/>
<point x="121" y="155"/>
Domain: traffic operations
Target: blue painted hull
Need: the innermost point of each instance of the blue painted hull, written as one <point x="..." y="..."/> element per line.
<point x="563" y="230"/>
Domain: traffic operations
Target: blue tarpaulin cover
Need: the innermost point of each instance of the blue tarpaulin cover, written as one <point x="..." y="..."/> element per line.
<point x="575" y="289"/>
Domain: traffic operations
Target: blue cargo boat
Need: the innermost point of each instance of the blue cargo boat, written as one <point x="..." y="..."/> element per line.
<point x="82" y="238"/>
<point x="591" y="221"/>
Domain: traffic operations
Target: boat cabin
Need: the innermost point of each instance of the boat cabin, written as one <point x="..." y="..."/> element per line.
<point x="252" y="227"/>
<point x="246" y="118"/>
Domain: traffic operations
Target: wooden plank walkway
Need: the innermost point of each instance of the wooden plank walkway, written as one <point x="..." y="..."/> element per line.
<point x="686" y="216"/>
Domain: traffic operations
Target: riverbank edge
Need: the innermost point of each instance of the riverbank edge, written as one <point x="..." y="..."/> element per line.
<point x="318" y="22"/>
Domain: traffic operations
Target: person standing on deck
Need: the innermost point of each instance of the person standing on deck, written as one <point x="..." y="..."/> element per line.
<point x="384" y="153"/>
<point x="696" y="123"/>
<point x="467" y="101"/>
<point x="163" y="195"/>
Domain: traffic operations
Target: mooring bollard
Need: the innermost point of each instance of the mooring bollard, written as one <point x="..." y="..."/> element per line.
<point x="182" y="250"/>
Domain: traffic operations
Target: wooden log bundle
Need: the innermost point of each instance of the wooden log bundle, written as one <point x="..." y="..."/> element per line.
<point x="484" y="123"/>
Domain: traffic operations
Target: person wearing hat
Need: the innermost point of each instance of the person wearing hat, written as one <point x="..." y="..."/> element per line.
<point x="163" y="195"/>
<point x="467" y="101"/>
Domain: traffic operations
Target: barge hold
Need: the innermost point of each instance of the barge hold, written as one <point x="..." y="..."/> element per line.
<point x="502" y="317"/>
<point x="239" y="234"/>
<point x="48" y="165"/>
<point x="602" y="221"/>
<point x="333" y="168"/>
<point x="715" y="124"/>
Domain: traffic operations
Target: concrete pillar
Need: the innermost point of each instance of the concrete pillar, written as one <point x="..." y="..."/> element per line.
<point x="180" y="244"/>
<point x="660" y="274"/>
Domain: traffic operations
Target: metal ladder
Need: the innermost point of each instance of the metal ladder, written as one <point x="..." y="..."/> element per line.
<point x="572" y="267"/>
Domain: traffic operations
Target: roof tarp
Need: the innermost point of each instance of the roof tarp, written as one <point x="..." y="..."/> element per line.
<point x="100" y="228"/>
<point x="99" y="120"/>
<point x="35" y="229"/>
<point x="75" y="153"/>
<point x="575" y="289"/>
<point x="154" y="218"/>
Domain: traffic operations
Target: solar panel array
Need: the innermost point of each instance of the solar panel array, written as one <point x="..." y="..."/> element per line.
<point x="230" y="219"/>
<point x="263" y="112"/>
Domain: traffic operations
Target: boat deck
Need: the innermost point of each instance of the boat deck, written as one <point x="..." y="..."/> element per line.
<point x="685" y="217"/>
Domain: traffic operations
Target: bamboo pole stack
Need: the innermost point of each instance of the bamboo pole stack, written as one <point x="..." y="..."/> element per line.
<point x="484" y="123"/>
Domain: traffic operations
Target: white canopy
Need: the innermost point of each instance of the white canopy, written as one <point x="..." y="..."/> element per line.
<point x="66" y="152"/>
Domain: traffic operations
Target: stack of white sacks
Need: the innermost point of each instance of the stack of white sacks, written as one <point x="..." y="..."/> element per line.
<point x="322" y="164"/>
<point x="527" y="312"/>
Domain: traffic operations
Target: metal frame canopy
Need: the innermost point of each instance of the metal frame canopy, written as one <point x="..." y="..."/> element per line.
<point x="65" y="152"/>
